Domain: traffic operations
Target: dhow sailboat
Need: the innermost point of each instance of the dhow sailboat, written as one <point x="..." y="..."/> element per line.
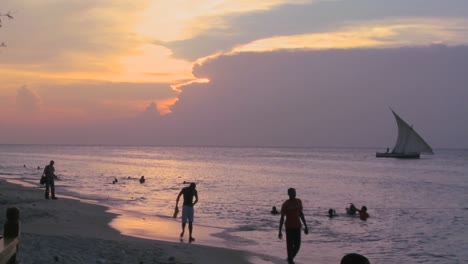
<point x="409" y="144"/>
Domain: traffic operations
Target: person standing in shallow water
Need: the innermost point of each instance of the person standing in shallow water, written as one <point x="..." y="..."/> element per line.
<point x="187" y="208"/>
<point x="292" y="210"/>
<point x="49" y="172"/>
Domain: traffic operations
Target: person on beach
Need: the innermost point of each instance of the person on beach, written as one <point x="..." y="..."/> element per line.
<point x="142" y="179"/>
<point x="292" y="210"/>
<point x="49" y="172"/>
<point x="187" y="208"/>
<point x="363" y="215"/>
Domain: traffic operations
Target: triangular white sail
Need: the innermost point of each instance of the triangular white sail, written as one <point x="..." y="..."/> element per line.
<point x="408" y="140"/>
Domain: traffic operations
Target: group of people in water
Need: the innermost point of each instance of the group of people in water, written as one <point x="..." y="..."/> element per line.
<point x="351" y="210"/>
<point x="141" y="180"/>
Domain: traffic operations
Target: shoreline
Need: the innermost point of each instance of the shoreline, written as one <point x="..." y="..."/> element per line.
<point x="72" y="231"/>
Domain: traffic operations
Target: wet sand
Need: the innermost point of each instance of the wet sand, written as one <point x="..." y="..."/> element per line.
<point x="71" y="231"/>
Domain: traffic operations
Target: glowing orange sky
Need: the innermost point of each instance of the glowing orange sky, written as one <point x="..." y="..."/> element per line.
<point x="73" y="44"/>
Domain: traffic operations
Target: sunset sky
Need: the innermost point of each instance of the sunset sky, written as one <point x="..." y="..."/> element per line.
<point x="233" y="72"/>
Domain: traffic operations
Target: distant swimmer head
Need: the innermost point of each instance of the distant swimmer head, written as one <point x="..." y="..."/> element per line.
<point x="292" y="192"/>
<point x="331" y="212"/>
<point x="192" y="185"/>
<point x="274" y="210"/>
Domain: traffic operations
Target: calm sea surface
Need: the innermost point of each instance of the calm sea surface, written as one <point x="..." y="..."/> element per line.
<point x="418" y="208"/>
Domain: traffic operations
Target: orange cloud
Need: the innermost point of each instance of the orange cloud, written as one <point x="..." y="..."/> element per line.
<point x="164" y="106"/>
<point x="384" y="33"/>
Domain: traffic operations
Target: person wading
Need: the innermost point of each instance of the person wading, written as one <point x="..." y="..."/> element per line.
<point x="292" y="210"/>
<point x="49" y="172"/>
<point x="187" y="208"/>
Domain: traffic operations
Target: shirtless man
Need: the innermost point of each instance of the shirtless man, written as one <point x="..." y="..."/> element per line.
<point x="187" y="208"/>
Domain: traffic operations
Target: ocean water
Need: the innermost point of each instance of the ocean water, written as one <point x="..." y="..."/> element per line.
<point x="418" y="208"/>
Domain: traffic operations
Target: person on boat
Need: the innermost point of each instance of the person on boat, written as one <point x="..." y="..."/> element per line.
<point x="388" y="149"/>
<point x="351" y="210"/>
<point x="331" y="213"/>
<point x="142" y="179"/>
<point x="363" y="215"/>
<point x="274" y="211"/>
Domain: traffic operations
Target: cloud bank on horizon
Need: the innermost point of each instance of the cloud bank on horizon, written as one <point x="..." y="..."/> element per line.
<point x="240" y="73"/>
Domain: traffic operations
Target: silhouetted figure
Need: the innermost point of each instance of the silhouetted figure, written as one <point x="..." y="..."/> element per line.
<point x="351" y="210"/>
<point x="187" y="208"/>
<point x="354" y="258"/>
<point x="142" y="179"/>
<point x="388" y="150"/>
<point x="49" y="172"/>
<point x="24" y="166"/>
<point x="115" y="181"/>
<point x="363" y="215"/>
<point x="274" y="211"/>
<point x="38" y="167"/>
<point x="331" y="212"/>
<point x="292" y="210"/>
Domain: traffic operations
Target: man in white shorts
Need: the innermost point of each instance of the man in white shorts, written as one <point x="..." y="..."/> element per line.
<point x="187" y="208"/>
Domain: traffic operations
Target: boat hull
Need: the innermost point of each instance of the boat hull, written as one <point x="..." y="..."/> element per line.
<point x="398" y="155"/>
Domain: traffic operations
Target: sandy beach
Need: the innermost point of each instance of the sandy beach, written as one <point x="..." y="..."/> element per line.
<point x="70" y="231"/>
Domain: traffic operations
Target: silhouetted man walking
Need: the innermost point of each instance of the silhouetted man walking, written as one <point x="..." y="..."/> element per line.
<point x="292" y="210"/>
